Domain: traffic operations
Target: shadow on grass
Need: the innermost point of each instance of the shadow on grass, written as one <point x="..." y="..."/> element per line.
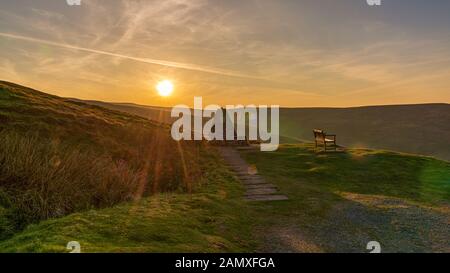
<point x="338" y="202"/>
<point x="360" y="171"/>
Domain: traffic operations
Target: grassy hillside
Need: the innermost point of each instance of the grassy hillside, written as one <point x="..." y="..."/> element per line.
<point x="58" y="157"/>
<point x="159" y="114"/>
<point x="213" y="219"/>
<point x="420" y="129"/>
<point x="338" y="202"/>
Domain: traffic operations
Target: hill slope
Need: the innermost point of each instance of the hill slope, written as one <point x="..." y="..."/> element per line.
<point x="58" y="157"/>
<point x="419" y="129"/>
<point x="159" y="114"/>
<point x="338" y="202"/>
<point x="213" y="219"/>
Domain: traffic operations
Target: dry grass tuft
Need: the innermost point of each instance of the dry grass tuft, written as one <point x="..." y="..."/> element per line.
<point x="59" y="157"/>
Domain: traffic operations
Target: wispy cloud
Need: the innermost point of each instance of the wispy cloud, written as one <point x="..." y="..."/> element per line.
<point x="187" y="66"/>
<point x="286" y="52"/>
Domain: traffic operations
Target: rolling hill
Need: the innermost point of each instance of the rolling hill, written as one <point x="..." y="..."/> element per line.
<point x="418" y="129"/>
<point x="58" y="156"/>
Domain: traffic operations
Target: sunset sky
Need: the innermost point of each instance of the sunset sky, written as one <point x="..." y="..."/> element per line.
<point x="288" y="52"/>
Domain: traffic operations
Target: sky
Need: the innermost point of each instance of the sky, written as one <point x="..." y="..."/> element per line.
<point x="293" y="53"/>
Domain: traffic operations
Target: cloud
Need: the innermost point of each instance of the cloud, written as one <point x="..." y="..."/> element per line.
<point x="288" y="51"/>
<point x="186" y="66"/>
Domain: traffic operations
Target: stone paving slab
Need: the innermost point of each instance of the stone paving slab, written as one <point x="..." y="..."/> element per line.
<point x="257" y="189"/>
<point x="260" y="191"/>
<point x="267" y="197"/>
<point x="255" y="182"/>
<point x="250" y="177"/>
<point x="260" y="186"/>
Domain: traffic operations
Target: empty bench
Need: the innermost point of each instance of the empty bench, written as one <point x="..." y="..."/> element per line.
<point x="321" y="138"/>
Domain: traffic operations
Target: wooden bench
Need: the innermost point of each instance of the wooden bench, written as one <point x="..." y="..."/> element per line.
<point x="320" y="137"/>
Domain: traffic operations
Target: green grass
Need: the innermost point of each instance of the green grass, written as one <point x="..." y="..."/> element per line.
<point x="110" y="180"/>
<point x="117" y="183"/>
<point x="58" y="157"/>
<point x="340" y="201"/>
<point x="418" y="129"/>
<point x="214" y="219"/>
<point x="361" y="171"/>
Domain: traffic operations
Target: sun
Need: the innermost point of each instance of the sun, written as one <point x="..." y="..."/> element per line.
<point x="165" y="88"/>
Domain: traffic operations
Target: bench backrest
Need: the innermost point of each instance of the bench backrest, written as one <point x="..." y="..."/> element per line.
<point x="319" y="134"/>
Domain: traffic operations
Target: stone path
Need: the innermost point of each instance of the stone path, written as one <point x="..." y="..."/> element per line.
<point x="257" y="189"/>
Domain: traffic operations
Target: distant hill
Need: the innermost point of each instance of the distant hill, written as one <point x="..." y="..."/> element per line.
<point x="420" y="129"/>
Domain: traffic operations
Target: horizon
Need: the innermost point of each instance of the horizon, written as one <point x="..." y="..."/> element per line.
<point x="295" y="54"/>
<point x="281" y="107"/>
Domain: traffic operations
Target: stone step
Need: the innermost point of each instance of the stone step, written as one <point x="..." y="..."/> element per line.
<point x="254" y="182"/>
<point x="257" y="188"/>
<point x="250" y="177"/>
<point x="260" y="186"/>
<point x="261" y="191"/>
<point x="273" y="197"/>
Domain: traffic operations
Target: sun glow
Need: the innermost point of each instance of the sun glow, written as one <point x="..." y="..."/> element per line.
<point x="165" y="88"/>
